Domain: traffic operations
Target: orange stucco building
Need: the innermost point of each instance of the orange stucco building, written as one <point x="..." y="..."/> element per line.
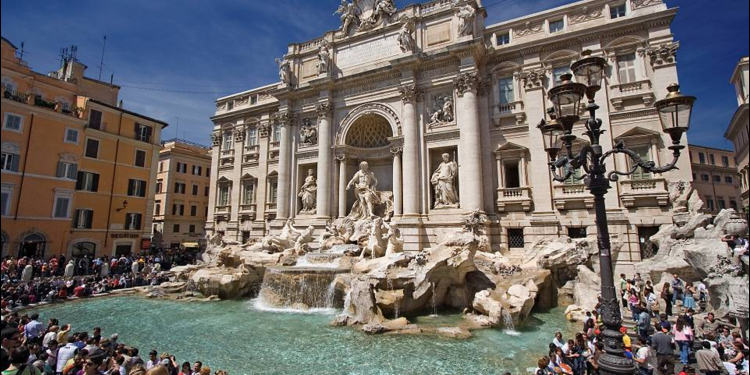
<point x="77" y="176"/>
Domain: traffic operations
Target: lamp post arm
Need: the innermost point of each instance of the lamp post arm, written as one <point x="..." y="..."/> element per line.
<point x="638" y="162"/>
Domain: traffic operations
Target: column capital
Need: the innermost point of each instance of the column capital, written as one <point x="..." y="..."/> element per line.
<point x="324" y="110"/>
<point x="340" y="158"/>
<point x="484" y="87"/>
<point x="284" y="118"/>
<point x="397" y="151"/>
<point x="533" y="79"/>
<point x="216" y="139"/>
<point x="465" y="82"/>
<point x="239" y="134"/>
<point x="264" y="129"/>
<point x="409" y="93"/>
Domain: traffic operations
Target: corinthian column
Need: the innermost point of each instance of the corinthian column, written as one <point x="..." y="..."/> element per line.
<point x="470" y="144"/>
<point x="284" y="119"/>
<point x="325" y="172"/>
<point x="411" y="151"/>
<point x="342" y="186"/>
<point x="397" y="185"/>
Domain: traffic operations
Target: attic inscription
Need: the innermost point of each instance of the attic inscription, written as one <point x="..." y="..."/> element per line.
<point x="364" y="53"/>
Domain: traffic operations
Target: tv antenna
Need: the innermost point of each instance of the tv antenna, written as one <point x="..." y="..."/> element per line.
<point x="23" y="51"/>
<point x="101" y="63"/>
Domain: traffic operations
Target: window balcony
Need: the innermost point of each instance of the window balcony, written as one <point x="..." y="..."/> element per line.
<point x="247" y="211"/>
<point x="638" y="94"/>
<point x="514" y="199"/>
<point x="223" y="210"/>
<point x="573" y="196"/>
<point x="514" y="111"/>
<point x="644" y="193"/>
<point x="251" y="155"/>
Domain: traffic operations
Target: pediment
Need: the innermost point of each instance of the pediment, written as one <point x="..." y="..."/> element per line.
<point x="637" y="132"/>
<point x="510" y="146"/>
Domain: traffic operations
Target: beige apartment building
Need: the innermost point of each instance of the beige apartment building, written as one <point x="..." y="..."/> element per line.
<point x="739" y="128"/>
<point x="181" y="203"/>
<point x="715" y="178"/>
<point x="77" y="176"/>
<point x="433" y="83"/>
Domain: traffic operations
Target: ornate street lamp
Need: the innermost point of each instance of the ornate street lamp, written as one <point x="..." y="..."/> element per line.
<point x="674" y="113"/>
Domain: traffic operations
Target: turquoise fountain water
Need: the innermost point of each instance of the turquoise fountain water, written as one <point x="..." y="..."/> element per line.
<point x="238" y="337"/>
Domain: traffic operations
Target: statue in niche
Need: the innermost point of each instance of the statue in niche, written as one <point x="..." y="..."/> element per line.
<point x="405" y="39"/>
<point x="466" y="14"/>
<point x="365" y="184"/>
<point x="349" y="15"/>
<point x="442" y="111"/>
<point x="443" y="180"/>
<point x="308" y="133"/>
<point x="285" y="71"/>
<point x="324" y="59"/>
<point x="309" y="192"/>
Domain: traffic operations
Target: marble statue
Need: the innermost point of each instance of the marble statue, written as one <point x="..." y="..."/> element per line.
<point x="466" y="14"/>
<point x="28" y="273"/>
<point x="289" y="233"/>
<point x="384" y="7"/>
<point x="308" y="133"/>
<point x="285" y="71"/>
<point x="70" y="269"/>
<point x="395" y="240"/>
<point x="301" y="246"/>
<point x="309" y="192"/>
<point x="324" y="59"/>
<point x="444" y="180"/>
<point x="104" y="270"/>
<point x="442" y="110"/>
<point x="405" y="39"/>
<point x="375" y="241"/>
<point x="365" y="184"/>
<point x="349" y="15"/>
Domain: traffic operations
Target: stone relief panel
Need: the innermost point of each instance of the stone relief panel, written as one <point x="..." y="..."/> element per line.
<point x="586" y="14"/>
<point x="529" y="29"/>
<point x="441" y="109"/>
<point x="308" y="132"/>
<point x="664" y="54"/>
<point x="438" y="34"/>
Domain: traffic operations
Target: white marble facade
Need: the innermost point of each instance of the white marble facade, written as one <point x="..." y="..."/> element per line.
<point x="469" y="93"/>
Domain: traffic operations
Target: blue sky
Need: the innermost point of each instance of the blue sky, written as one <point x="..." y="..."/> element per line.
<point x="173" y="58"/>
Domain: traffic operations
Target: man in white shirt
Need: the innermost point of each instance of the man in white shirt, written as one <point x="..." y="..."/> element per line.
<point x="644" y="358"/>
<point x="153" y="360"/>
<point x="66" y="353"/>
<point x="51" y="335"/>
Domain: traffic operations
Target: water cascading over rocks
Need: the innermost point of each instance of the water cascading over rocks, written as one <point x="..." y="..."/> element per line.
<point x="298" y="288"/>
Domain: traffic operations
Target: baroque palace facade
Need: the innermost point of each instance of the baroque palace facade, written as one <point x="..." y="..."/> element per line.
<point x="77" y="168"/>
<point x="444" y="109"/>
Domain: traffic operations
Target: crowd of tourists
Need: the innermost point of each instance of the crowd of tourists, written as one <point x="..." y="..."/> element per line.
<point x="705" y="344"/>
<point x="27" y="281"/>
<point x="29" y="347"/>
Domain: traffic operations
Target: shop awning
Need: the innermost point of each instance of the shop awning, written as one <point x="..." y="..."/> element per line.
<point x="190" y="244"/>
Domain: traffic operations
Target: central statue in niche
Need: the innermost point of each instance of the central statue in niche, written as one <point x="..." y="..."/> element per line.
<point x="444" y="182"/>
<point x="365" y="184"/>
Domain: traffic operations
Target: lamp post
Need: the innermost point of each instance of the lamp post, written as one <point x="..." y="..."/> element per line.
<point x="674" y="114"/>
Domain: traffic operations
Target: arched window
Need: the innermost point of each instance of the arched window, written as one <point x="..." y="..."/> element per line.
<point x="82" y="249"/>
<point x="32" y="246"/>
<point x="369" y="131"/>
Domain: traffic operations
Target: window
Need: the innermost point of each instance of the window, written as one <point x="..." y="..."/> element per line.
<point x="648" y="249"/>
<point x="181" y="168"/>
<point x="223" y="197"/>
<point x="702" y="158"/>
<point x="197" y="170"/>
<point x="717" y="179"/>
<point x="87" y="181"/>
<point x="277" y="133"/>
<point x="61" y="208"/>
<point x="558" y="72"/>
<point x="273" y="192"/>
<point x="92" y="148"/>
<point x="192" y="229"/>
<point x="137" y="188"/>
<point x="705" y="178"/>
<point x="230" y="105"/>
<point x="208" y="172"/>
<point x="71" y="136"/>
<point x="176" y="228"/>
<point x="503" y="39"/>
<point x="9" y="162"/>
<point x="252" y="136"/>
<point x="143" y="132"/>
<point x="249" y="194"/>
<point x="133" y="221"/>
<point x="626" y="68"/>
<point x="13" y="122"/>
<point x="617" y="11"/>
<point x="95" y="119"/>
<point x="140" y="158"/>
<point x="645" y="155"/>
<point x="228" y="141"/>
<point x="577" y="232"/>
<point x="157" y="208"/>
<point x="5" y="200"/>
<point x="84" y="219"/>
<point x="506" y="90"/>
<point x="195" y="189"/>
<point x="179" y="188"/>
<point x="206" y="191"/>
<point x="161" y="166"/>
<point x="556" y="26"/>
<point x="710" y="202"/>
<point x="66" y="169"/>
<point x="159" y="186"/>
<point x="729" y="180"/>
<point x="575" y="178"/>
<point x="722" y="203"/>
<point x="512" y="175"/>
<point x="725" y="161"/>
<point x="695" y="176"/>
<point x="712" y="158"/>
<point x="733" y="204"/>
<point x="193" y="211"/>
<point x="516" y="239"/>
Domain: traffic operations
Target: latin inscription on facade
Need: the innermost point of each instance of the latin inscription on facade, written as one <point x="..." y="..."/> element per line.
<point x="368" y="52"/>
<point x="438" y="34"/>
